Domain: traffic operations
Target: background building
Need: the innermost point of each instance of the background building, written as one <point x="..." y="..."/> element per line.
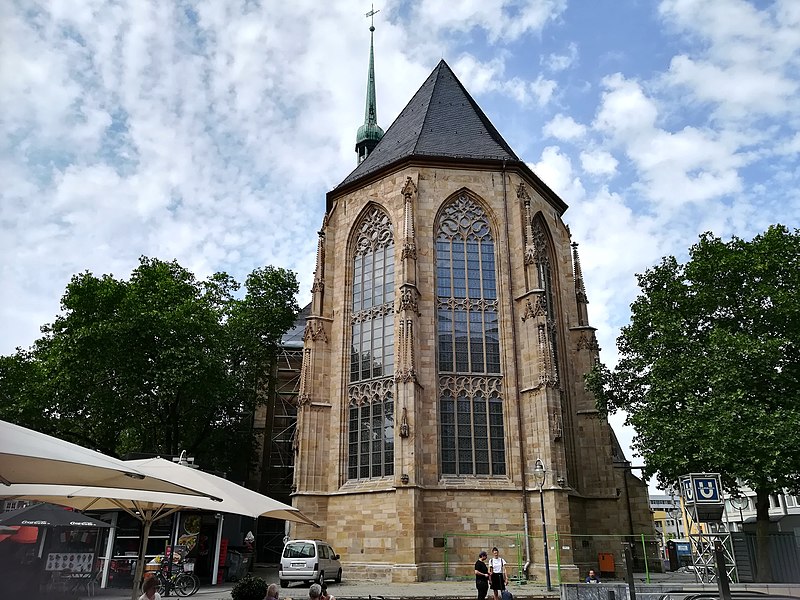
<point x="667" y="517"/>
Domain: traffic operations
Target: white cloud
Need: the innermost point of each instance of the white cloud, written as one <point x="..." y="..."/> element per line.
<point x="690" y="165"/>
<point x="561" y="62"/>
<point x="502" y="20"/>
<point x="598" y="162"/>
<point x="555" y="169"/>
<point x="485" y="77"/>
<point x="564" y="127"/>
<point x="748" y="56"/>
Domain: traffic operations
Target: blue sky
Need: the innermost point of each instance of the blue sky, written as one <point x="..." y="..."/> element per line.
<point x="210" y="131"/>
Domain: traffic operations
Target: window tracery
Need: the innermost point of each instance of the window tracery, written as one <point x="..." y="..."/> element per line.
<point x="470" y="385"/>
<point x="371" y="388"/>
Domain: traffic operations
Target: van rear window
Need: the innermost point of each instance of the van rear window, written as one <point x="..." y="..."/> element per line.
<point x="299" y="550"/>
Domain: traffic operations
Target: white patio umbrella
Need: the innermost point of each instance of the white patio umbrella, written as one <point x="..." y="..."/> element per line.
<point x="27" y="456"/>
<point x="149" y="507"/>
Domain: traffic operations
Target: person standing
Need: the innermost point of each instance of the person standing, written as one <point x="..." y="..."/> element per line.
<point x="592" y="577"/>
<point x="482" y="575"/>
<point x="499" y="573"/>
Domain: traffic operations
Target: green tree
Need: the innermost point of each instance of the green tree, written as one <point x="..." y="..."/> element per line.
<point x="709" y="369"/>
<point x="149" y="364"/>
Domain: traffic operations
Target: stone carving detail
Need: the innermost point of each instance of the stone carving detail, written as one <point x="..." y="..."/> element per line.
<point x="409" y="189"/>
<point x="588" y="342"/>
<point x="537" y="308"/>
<point x="405" y="375"/>
<point x="374" y="391"/>
<point x="538" y="247"/>
<point x="409" y="300"/>
<point x="522" y="192"/>
<point x="314" y="331"/>
<point x="406" y="369"/>
<point x="374" y="231"/>
<point x="470" y="386"/>
<point x="409" y="251"/>
<point x="580" y="288"/>
<point x="303" y="397"/>
<point x="319" y="271"/>
<point x="548" y="373"/>
<point x="464" y="219"/>
<point x="409" y="246"/>
<point x="471" y="304"/>
<point x="556" y="429"/>
<point x="376" y="311"/>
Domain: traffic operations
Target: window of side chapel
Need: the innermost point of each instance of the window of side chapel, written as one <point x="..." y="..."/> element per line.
<point x="371" y="382"/>
<point x="468" y="343"/>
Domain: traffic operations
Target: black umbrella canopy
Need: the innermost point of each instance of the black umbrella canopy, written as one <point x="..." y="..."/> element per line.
<point x="48" y="515"/>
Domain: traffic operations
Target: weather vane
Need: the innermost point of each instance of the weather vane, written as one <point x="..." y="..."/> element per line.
<point x="371" y="14"/>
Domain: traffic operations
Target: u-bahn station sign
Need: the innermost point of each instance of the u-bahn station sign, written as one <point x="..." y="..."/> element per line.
<point x="702" y="496"/>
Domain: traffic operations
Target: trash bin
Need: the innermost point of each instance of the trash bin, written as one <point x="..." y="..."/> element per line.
<point x="234" y="566"/>
<point x="247" y="562"/>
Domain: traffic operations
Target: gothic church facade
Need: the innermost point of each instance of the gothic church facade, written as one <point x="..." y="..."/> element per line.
<point x="444" y="356"/>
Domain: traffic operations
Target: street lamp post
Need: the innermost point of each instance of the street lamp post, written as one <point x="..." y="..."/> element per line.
<point x="538" y="474"/>
<point x="739" y="502"/>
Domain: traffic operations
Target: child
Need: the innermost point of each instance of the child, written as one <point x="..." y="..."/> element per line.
<point x="149" y="588"/>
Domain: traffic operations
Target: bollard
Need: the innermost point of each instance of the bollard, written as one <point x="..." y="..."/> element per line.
<point x="722" y="573"/>
<point x="626" y="546"/>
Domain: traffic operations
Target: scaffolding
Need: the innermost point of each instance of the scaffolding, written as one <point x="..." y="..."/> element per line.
<point x="275" y="425"/>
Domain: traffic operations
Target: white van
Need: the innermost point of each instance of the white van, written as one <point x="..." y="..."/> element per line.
<point x="310" y="561"/>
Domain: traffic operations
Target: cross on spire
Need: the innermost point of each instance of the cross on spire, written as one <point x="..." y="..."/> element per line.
<point x="371" y="14"/>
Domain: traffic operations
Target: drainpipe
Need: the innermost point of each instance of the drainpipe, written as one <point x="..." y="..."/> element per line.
<point x="516" y="386"/>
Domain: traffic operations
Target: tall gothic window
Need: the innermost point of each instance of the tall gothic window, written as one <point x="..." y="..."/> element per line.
<point x="470" y="383"/>
<point x="371" y="388"/>
<point x="544" y="271"/>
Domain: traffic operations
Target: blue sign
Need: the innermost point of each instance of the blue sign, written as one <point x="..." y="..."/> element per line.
<point x="706" y="489"/>
<point x="688" y="491"/>
<point x="701" y="488"/>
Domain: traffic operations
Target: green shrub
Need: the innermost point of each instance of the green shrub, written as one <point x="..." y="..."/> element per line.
<point x="249" y="588"/>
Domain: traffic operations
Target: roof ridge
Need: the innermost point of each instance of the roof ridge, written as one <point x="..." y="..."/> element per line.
<point x="435" y="75"/>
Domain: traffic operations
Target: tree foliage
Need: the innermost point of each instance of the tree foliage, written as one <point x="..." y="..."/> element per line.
<point x="709" y="369"/>
<point x="154" y="363"/>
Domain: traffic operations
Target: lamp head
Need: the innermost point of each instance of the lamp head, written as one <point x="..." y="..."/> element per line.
<point x="539" y="472"/>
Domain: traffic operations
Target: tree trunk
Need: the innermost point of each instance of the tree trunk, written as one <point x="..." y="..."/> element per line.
<point x="763" y="564"/>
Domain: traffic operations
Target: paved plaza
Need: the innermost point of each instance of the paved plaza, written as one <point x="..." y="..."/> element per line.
<point x="348" y="590"/>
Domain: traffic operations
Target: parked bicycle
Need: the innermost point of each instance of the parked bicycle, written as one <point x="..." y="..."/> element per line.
<point x="180" y="579"/>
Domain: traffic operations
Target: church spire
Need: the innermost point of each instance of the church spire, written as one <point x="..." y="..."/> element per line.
<point x="369" y="134"/>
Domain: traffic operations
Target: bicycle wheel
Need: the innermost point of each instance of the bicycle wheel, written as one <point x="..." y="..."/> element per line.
<point x="187" y="584"/>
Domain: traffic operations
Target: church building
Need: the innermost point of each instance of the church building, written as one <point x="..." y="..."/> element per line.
<point x="441" y="397"/>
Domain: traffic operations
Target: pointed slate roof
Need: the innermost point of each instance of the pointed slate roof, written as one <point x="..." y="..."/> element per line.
<point x="441" y="121"/>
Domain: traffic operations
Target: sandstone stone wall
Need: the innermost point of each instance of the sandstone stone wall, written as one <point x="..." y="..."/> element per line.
<point x="389" y="527"/>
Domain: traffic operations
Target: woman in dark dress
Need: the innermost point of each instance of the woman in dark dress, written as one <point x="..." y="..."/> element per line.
<point x="482" y="576"/>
